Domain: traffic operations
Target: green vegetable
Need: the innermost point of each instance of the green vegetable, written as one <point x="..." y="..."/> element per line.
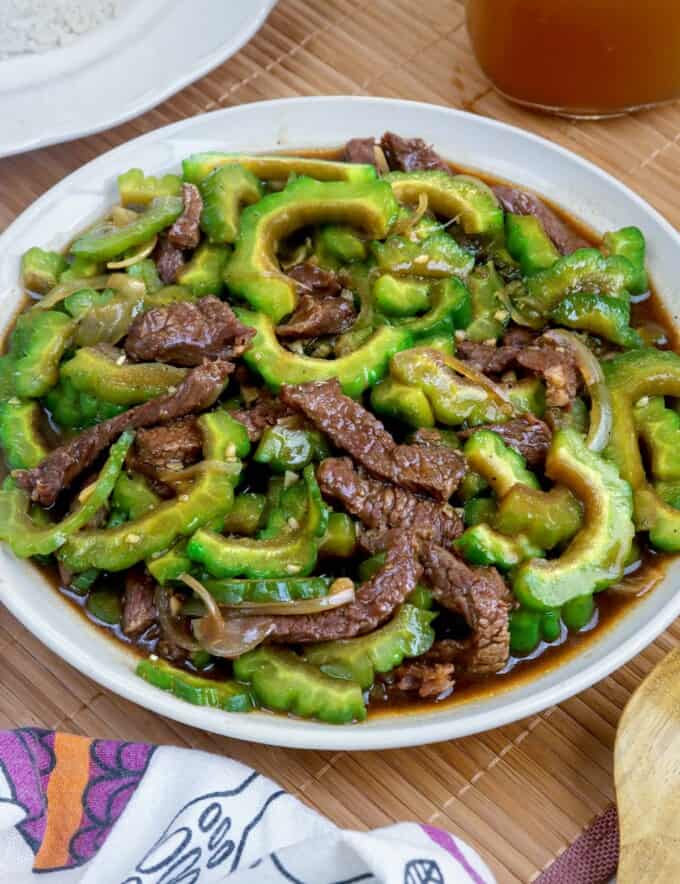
<point x="137" y="189"/>
<point x="108" y="319"/>
<point x="288" y="448"/>
<point x="340" y="539"/>
<point x="335" y="245"/>
<point x="630" y="377"/>
<point x="402" y="402"/>
<point x="595" y="557"/>
<point x="629" y="242"/>
<point x="225" y="191"/>
<point x="132" y="496"/>
<point x="287" y="554"/>
<point x="489" y="315"/>
<point x="605" y="315"/>
<point x="279" y="589"/>
<point x="145" y="270"/>
<point x="408" y="634"/>
<point x="468" y="199"/>
<point x="20" y="440"/>
<point x="75" y="410"/>
<point x="276" y="168"/>
<point x="528" y="628"/>
<point x="28" y="538"/>
<point x="478" y="510"/>
<point x="659" y="429"/>
<point x="356" y="371"/>
<point x="578" y="612"/>
<point x="500" y="465"/>
<point x="437" y="256"/>
<point x="36" y="345"/>
<point x="170" y="565"/>
<point x="401" y="297"/>
<point x="203" y="274"/>
<point x="282" y="681"/>
<point x="223" y="436"/>
<point x="116" y="549"/>
<point x="547" y="518"/>
<point x="109" y="377"/>
<point x="585" y="270"/>
<point x="224" y="694"/>
<point x="472" y="485"/>
<point x="245" y="516"/>
<point x="482" y="545"/>
<point x="105" y="605"/>
<point x="529" y="244"/>
<point x="80" y="269"/>
<point x="449" y="310"/>
<point x="108" y="241"/>
<point x="40" y="270"/>
<point x="253" y="271"/>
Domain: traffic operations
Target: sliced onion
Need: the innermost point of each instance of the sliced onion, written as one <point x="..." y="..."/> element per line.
<point x="225" y="638"/>
<point x="126" y="285"/>
<point x="410" y="222"/>
<point x="638" y="582"/>
<point x="145" y="250"/>
<point x="64" y="289"/>
<point x="170" y="625"/>
<point x="601" y="416"/>
<point x="381" y="163"/>
<point x="467" y="371"/>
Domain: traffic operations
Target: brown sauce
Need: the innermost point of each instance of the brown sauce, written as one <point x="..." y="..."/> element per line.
<point x="612" y="604"/>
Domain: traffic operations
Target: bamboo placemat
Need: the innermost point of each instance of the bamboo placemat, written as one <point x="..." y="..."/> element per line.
<point x="520" y="794"/>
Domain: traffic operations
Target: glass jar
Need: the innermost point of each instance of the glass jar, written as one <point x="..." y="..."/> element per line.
<point x="579" y="58"/>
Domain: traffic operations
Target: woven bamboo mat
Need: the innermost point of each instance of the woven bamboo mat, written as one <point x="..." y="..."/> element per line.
<point x="521" y="794"/>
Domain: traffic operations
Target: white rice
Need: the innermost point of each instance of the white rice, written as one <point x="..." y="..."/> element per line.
<point x="28" y="26"/>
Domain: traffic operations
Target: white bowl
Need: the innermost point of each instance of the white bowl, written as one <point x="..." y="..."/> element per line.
<point x="588" y="192"/>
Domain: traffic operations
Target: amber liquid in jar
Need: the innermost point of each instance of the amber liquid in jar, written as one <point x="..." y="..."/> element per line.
<point x="579" y="57"/>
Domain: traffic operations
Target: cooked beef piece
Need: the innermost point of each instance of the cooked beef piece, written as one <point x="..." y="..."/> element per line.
<point x="171" y="652"/>
<point x="381" y="506"/>
<point x="374" y="601"/>
<point x="185" y="233"/>
<point x="311" y="279"/>
<point x="169" y="260"/>
<point x="519" y="202"/>
<point x="487" y="358"/>
<point x="411" y="154"/>
<point x="198" y="391"/>
<point x="139" y="610"/>
<point x="169" y="447"/>
<point x="434" y="471"/>
<point x="263" y="413"/>
<point x="424" y="678"/>
<point x="484" y="600"/>
<point x="318" y="316"/>
<point x="360" y="150"/>
<point x="186" y="332"/>
<point x="427" y="436"/>
<point x="527" y="434"/>
<point x="518" y="336"/>
<point x="558" y="367"/>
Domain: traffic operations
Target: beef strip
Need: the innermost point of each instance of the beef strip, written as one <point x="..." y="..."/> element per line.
<point x="381" y="506"/>
<point x="519" y="202"/>
<point x="198" y="391"/>
<point x="360" y="150"/>
<point x="487" y="358"/>
<point x="434" y="471"/>
<point x="311" y="279"/>
<point x="171" y="446"/>
<point x="374" y="601"/>
<point x="558" y="367"/>
<point x="528" y="435"/>
<point x="428" y="680"/>
<point x="139" y="610"/>
<point x="483" y="599"/>
<point x="169" y="260"/>
<point x="187" y="332"/>
<point x="518" y="336"/>
<point x="318" y="316"/>
<point x="411" y="154"/>
<point x="185" y="233"/>
<point x="264" y="412"/>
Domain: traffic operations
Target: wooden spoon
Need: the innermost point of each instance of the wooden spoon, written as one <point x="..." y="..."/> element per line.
<point x="647" y="775"/>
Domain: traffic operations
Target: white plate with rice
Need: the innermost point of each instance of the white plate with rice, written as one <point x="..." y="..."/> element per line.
<point x="73" y="67"/>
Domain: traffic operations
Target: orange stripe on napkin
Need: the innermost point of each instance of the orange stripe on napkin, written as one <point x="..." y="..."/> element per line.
<point x="64" y="800"/>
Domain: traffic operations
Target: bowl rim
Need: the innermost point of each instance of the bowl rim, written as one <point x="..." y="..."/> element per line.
<point x="381" y="732"/>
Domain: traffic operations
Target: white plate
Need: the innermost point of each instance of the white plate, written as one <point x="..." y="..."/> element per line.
<point x="151" y="50"/>
<point x="584" y="189"/>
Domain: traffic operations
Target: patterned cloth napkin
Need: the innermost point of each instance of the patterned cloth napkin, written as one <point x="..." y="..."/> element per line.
<point x="109" y="812"/>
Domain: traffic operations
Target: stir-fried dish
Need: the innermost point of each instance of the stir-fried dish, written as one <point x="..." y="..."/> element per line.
<point x="312" y="433"/>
